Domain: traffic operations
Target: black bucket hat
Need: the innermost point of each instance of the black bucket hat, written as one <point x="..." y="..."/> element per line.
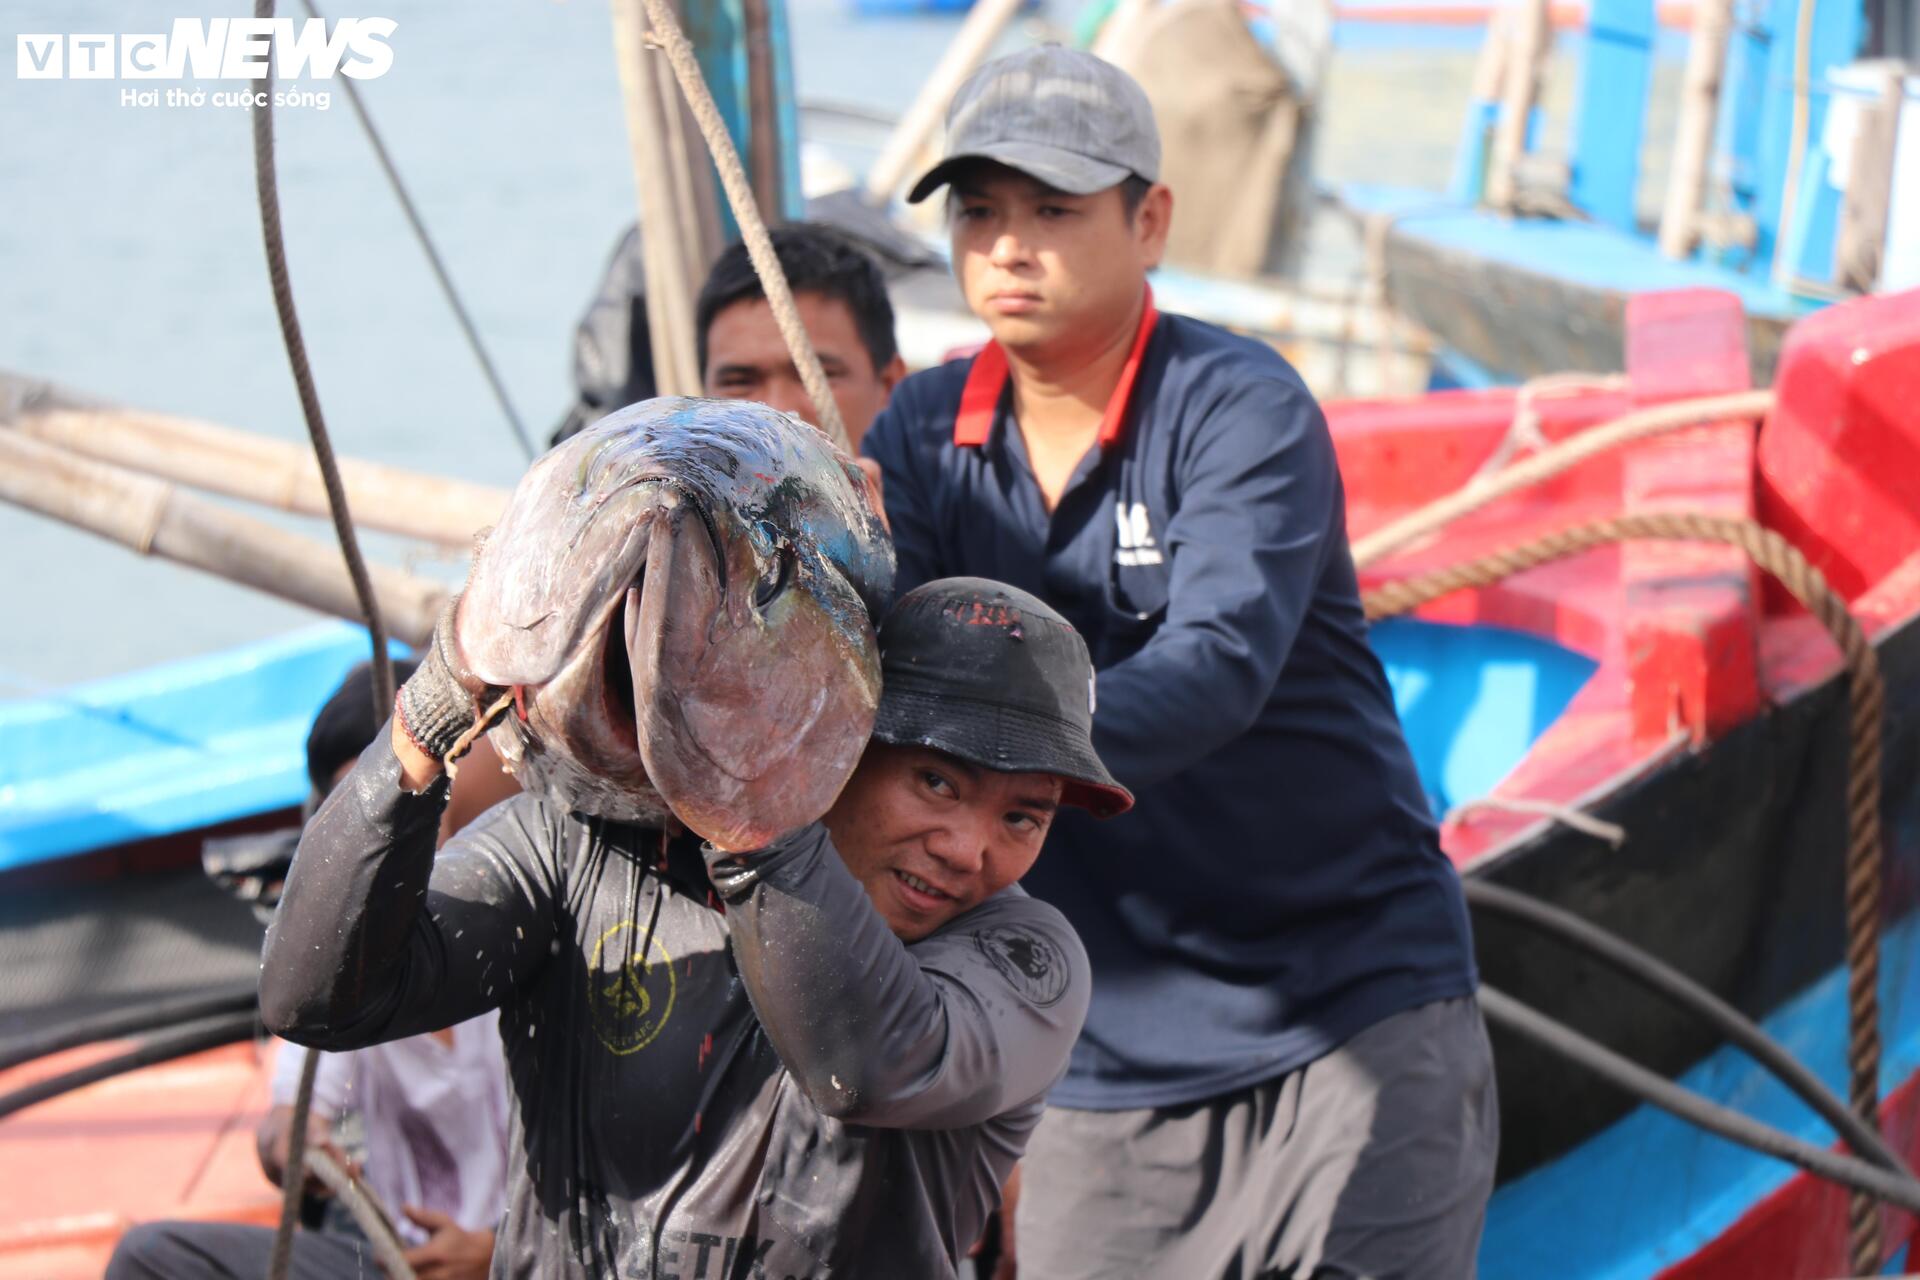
<point x="985" y="672"/>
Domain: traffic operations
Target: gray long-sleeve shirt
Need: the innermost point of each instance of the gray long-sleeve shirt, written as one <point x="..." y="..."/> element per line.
<point x="778" y="1089"/>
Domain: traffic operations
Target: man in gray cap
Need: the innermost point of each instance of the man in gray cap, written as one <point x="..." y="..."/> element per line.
<point x="1284" y="1070"/>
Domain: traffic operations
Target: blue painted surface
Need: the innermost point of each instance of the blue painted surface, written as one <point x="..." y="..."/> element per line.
<point x="1473" y="699"/>
<point x="1468" y="182"/>
<point x="1456" y="371"/>
<point x="1807" y="243"/>
<point x="1743" y="97"/>
<point x="1589" y="254"/>
<point x="884" y="8"/>
<point x="1837" y="29"/>
<point x="169" y="749"/>
<point x="1651" y="1190"/>
<point x="717" y="32"/>
<point x="1612" y="111"/>
<point x="194" y="743"/>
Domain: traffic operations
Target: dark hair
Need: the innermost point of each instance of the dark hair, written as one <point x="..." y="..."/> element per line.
<point x="1133" y="189"/>
<point x="816" y="259"/>
<point x="347" y="724"/>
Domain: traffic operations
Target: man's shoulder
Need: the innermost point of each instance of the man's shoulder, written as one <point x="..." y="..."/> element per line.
<point x="1027" y="942"/>
<point x="1200" y="352"/>
<point x="920" y="411"/>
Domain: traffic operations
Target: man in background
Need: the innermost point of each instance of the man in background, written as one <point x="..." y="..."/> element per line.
<point x="838" y="289"/>
<point x="1284" y="1071"/>
<point x="423" y="1121"/>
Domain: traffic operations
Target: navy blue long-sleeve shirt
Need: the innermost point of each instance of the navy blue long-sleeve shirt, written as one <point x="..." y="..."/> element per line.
<point x="1279" y="885"/>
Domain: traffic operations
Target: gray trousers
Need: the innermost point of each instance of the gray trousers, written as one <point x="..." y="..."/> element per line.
<point x="1374" y="1161"/>
<point x="235" y="1251"/>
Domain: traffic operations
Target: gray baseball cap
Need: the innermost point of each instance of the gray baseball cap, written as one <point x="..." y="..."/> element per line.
<point x="1075" y="122"/>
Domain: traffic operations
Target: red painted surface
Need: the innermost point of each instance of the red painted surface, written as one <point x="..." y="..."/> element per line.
<point x="172" y="1141"/>
<point x="1692" y="609"/>
<point x="1840" y="458"/>
<point x="1684" y="654"/>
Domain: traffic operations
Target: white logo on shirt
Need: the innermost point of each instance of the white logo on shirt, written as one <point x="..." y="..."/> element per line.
<point x="1136" y="536"/>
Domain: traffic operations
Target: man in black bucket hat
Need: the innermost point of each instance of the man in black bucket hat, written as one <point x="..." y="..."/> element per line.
<point x="818" y="1058"/>
<point x="986" y="692"/>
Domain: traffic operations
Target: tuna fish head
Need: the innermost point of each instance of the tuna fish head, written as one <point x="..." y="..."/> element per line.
<point x="682" y="599"/>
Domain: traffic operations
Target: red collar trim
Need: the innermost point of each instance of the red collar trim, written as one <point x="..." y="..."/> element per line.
<point x="987" y="379"/>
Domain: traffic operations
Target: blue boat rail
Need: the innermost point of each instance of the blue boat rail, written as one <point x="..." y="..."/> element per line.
<point x="170" y="749"/>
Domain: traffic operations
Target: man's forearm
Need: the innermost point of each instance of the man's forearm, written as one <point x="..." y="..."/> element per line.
<point x="358" y="882"/>
<point x="844" y="1005"/>
<point x="876" y="1032"/>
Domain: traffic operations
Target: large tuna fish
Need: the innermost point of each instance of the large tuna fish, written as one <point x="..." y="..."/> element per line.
<point x="682" y="599"/>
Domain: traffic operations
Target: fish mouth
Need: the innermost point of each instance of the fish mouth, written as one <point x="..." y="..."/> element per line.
<point x="697" y="503"/>
<point x="616" y="673"/>
<point x="616" y="655"/>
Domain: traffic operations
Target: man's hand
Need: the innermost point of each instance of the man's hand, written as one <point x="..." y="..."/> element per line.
<point x="438" y="706"/>
<point x="451" y="1252"/>
<point x="271" y="1141"/>
<point x="1008" y="1266"/>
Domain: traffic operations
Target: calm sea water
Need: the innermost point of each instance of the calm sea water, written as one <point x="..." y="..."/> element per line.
<point x="130" y="263"/>
<point x="130" y="267"/>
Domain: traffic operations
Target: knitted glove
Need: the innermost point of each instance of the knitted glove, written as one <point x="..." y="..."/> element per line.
<point x="441" y="702"/>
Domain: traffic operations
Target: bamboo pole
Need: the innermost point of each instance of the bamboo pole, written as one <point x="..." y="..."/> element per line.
<point x="274" y="473"/>
<point x="153" y="518"/>
<point x="763" y="113"/>
<point x="1526" y="54"/>
<point x="691" y="179"/>
<point x="970" y="46"/>
<point x="1490" y="65"/>
<point x="1119" y="25"/>
<point x="664" y="241"/>
<point x="1693" y="137"/>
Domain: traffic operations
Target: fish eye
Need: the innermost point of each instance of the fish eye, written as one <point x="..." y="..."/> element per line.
<point x="776" y="579"/>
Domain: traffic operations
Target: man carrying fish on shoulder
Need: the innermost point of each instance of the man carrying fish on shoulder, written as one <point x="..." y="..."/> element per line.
<point x="812" y="1044"/>
<point x="1284" y="1070"/>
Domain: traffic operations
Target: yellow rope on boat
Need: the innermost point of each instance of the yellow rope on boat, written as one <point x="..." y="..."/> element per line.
<point x="1866" y="698"/>
<point x="1639" y="425"/>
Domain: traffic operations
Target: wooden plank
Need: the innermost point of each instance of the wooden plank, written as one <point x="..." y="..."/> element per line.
<point x="1693" y="143"/>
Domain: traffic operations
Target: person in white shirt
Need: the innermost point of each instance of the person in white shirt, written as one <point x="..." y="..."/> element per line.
<point x="422" y="1122"/>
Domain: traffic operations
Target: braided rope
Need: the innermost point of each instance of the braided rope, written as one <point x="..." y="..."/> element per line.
<point x="267" y="189"/>
<point x="358" y="1199"/>
<point x="1639" y="425"/>
<point x="1866" y="699"/>
<point x="753" y="229"/>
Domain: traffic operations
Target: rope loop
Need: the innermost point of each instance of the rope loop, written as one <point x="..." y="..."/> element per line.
<point x="1866" y="694"/>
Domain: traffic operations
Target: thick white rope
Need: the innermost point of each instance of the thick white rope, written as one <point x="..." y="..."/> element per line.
<point x="1523" y="434"/>
<point x="1639" y="425"/>
<point x="753" y="230"/>
<point x="368" y="1213"/>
